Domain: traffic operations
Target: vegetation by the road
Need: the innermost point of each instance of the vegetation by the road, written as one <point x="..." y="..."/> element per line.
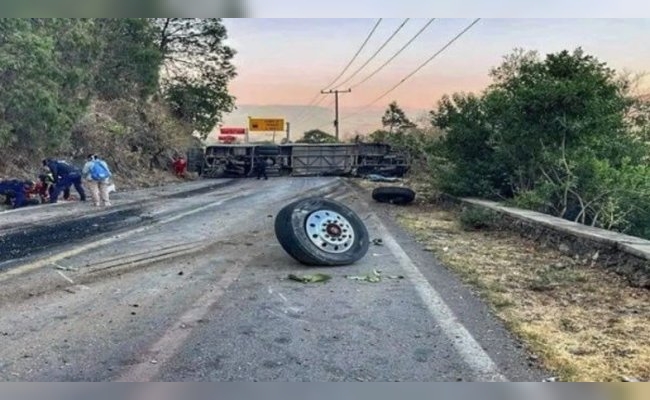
<point x="562" y="134"/>
<point x="580" y="321"/>
<point x="132" y="89"/>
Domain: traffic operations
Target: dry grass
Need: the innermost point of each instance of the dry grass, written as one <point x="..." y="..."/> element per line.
<point x="583" y="322"/>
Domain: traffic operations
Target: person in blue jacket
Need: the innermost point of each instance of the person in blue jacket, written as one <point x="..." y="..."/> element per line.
<point x="64" y="175"/>
<point x="15" y="192"/>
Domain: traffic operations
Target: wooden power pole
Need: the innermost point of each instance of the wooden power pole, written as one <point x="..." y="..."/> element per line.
<point x="336" y="107"/>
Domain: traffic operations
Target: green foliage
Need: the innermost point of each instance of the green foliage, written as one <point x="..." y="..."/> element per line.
<point x="317" y="136"/>
<point x="560" y="134"/>
<point x="470" y="167"/>
<point x="197" y="69"/>
<point x="108" y="84"/>
<point x="395" y="119"/>
<point x="129" y="59"/>
<point x="45" y="79"/>
<point x="379" y="136"/>
<point x="197" y="104"/>
<point x="474" y="218"/>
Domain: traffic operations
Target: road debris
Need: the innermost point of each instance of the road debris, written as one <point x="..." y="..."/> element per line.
<point x="322" y="232"/>
<point x="377" y="242"/>
<point x="310" y="278"/>
<point x="381" y="178"/>
<point x="373" y="277"/>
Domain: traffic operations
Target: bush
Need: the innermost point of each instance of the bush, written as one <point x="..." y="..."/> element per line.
<point x="475" y="218"/>
<point x="562" y="135"/>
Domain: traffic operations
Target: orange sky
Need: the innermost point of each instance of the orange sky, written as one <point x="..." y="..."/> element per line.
<point x="288" y="61"/>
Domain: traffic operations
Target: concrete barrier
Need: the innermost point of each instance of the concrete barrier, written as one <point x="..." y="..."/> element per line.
<point x="627" y="255"/>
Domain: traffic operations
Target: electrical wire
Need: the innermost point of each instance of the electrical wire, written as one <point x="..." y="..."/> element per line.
<point x="363" y="45"/>
<point x="372" y="57"/>
<point x="418" y="68"/>
<point x="394" y="55"/>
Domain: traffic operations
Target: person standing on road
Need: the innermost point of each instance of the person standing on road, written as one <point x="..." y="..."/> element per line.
<point x="96" y="173"/>
<point x="64" y="176"/>
<point x="260" y="166"/>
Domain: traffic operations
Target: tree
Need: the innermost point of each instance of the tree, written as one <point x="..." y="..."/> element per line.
<point x="379" y="136"/>
<point x="317" y="136"/>
<point x="395" y="119"/>
<point x="129" y="60"/>
<point x="560" y="134"/>
<point x="197" y="69"/>
<point x="471" y="168"/>
<point x="45" y="78"/>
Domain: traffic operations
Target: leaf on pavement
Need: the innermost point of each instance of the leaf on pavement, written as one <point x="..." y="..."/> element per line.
<point x="310" y="278"/>
<point x="373" y="277"/>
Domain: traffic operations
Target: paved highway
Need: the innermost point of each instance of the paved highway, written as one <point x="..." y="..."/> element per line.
<point x="195" y="289"/>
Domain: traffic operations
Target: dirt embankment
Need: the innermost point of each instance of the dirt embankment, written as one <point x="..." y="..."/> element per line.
<point x="137" y="141"/>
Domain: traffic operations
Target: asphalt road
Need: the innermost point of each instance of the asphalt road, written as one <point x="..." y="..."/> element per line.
<point x="195" y="289"/>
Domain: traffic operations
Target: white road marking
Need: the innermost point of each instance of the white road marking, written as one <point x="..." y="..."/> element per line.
<point x="171" y="341"/>
<point x="463" y="341"/>
<point x="65" y="277"/>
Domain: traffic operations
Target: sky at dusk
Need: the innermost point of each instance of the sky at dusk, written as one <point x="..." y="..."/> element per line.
<point x="286" y="62"/>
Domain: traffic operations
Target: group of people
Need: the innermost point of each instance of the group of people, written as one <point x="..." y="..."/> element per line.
<point x="58" y="177"/>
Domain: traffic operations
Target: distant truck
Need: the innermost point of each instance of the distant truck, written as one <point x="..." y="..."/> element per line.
<point x="298" y="159"/>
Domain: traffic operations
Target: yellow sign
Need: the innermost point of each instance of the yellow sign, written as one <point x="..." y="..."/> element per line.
<point x="266" y="124"/>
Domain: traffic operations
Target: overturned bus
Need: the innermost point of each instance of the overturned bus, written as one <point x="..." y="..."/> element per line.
<point x="299" y="159"/>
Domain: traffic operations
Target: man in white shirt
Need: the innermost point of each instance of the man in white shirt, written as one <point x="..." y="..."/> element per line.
<point x="97" y="174"/>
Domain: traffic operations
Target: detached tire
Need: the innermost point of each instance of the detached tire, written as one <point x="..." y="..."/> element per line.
<point x="318" y="231"/>
<point x="393" y="195"/>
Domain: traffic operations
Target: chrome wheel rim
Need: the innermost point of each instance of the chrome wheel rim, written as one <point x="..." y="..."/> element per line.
<point x="329" y="231"/>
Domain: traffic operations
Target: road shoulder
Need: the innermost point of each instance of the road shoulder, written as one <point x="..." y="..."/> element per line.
<point x="466" y="303"/>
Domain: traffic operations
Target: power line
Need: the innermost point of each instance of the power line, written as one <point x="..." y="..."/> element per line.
<point x="399" y="28"/>
<point x="419" y="67"/>
<point x="427" y="61"/>
<point x="302" y="116"/>
<point x="363" y="45"/>
<point x="395" y="55"/>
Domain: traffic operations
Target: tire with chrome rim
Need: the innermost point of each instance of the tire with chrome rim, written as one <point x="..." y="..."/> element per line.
<point x="319" y="231"/>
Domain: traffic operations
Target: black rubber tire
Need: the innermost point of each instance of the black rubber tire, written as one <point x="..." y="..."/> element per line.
<point x="291" y="232"/>
<point x="393" y="194"/>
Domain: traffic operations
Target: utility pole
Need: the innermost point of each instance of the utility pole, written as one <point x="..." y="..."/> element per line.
<point x="336" y="107"/>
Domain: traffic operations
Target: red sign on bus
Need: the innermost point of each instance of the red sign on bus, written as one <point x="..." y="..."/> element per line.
<point x="232" y="131"/>
<point x="227" y="138"/>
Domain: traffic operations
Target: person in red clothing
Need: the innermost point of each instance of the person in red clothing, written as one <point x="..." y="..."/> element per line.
<point x="180" y="166"/>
